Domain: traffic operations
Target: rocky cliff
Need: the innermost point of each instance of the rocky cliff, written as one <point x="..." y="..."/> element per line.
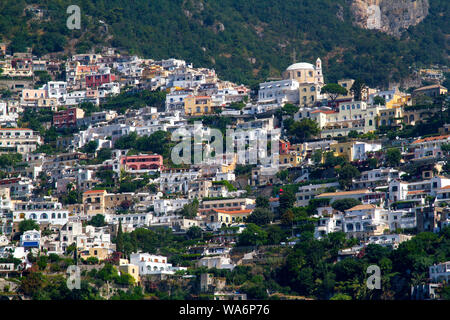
<point x="389" y="16"/>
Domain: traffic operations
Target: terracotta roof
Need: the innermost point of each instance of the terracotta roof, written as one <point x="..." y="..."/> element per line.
<point x="432" y="138"/>
<point x="362" y="207"/>
<point x="445" y="188"/>
<point x="430" y="87"/>
<point x="417" y="192"/>
<point x="324" y="111"/>
<point x="233" y="211"/>
<point x="15" y="129"/>
<point x="94" y="191"/>
<point x="343" y="193"/>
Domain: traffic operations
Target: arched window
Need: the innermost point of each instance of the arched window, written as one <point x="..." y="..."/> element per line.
<point x="44" y="216"/>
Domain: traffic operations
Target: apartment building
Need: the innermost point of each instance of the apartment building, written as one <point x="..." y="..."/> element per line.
<point x="21" y="140"/>
<point x="225" y="204"/>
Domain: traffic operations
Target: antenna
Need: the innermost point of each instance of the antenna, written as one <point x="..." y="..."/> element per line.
<point x="293" y="56"/>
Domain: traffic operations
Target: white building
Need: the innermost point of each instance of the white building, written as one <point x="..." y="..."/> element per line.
<point x="21" y="140"/>
<point x="218" y="262"/>
<point x="430" y="147"/>
<point x="168" y="206"/>
<point x="306" y="193"/>
<point x="389" y="239"/>
<point x="360" y="150"/>
<point x="57" y="90"/>
<point x="278" y="92"/>
<point x="31" y="239"/>
<point x="151" y="264"/>
<point x="440" y="272"/>
<point x="177" y="181"/>
<point x="376" y="177"/>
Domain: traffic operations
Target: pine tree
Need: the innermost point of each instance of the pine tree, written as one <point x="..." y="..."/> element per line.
<point x="119" y="238"/>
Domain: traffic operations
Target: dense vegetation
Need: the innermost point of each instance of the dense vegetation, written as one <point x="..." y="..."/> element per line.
<point x="245" y="41"/>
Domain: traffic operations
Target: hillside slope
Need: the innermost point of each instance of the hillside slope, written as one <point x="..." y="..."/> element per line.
<point x="245" y="41"/>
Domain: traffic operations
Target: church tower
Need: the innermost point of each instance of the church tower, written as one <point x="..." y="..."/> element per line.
<point x="319" y="75"/>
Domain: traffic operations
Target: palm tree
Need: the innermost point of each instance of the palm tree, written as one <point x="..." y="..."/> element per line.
<point x="418" y="278"/>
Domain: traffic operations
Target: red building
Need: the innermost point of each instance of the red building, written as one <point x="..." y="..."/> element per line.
<point x="142" y="162"/>
<point x="285" y="146"/>
<point x="67" y="118"/>
<point x="96" y="80"/>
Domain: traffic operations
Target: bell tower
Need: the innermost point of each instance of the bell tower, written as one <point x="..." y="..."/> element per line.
<point x="319" y="75"/>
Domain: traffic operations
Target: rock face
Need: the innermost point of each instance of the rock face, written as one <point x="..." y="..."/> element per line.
<point x="389" y="16"/>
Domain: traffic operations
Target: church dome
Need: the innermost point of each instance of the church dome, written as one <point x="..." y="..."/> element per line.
<point x="300" y="65"/>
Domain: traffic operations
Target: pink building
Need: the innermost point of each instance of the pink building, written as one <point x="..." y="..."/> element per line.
<point x="142" y="162"/>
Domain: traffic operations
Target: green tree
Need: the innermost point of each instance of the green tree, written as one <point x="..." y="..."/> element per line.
<point x="317" y="156"/>
<point x="119" y="238"/>
<point x="333" y="90"/>
<point x="346" y="175"/>
<point x="304" y="129"/>
<point x="190" y="210"/>
<point x="344" y="204"/>
<point x="287" y="200"/>
<point x="97" y="221"/>
<point x="253" y="235"/>
<point x="28" y="224"/>
<point x="341" y="296"/>
<point x="377" y="100"/>
<point x="353" y="134"/>
<point x="262" y="202"/>
<point x="287" y="218"/>
<point x="357" y="89"/>
<point x="260" y="216"/>
<point x="393" y="157"/>
<point x="194" y="232"/>
<point x="90" y="147"/>
<point x="290" y="109"/>
<point x="373" y="163"/>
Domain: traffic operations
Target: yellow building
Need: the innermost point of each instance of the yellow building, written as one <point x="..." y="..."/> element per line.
<point x="94" y="202"/>
<point x="101" y="202"/>
<point x="398" y="101"/>
<point x="198" y="105"/>
<point x="432" y="91"/>
<point x="132" y="270"/>
<point x="390" y="116"/>
<point x="153" y="71"/>
<point x="113" y="200"/>
<point x="343" y="149"/>
<point x="99" y="253"/>
<point x="293" y="158"/>
<point x="309" y="93"/>
<point x="50" y="103"/>
<point x="305" y="72"/>
<point x="229" y="216"/>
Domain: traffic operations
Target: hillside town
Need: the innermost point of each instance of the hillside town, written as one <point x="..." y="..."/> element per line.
<point x="89" y="179"/>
